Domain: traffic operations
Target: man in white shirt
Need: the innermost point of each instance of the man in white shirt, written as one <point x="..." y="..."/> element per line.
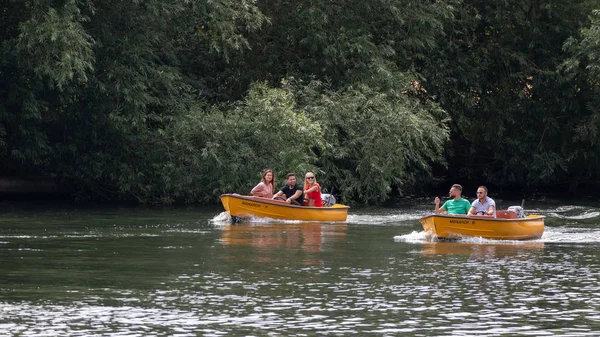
<point x="483" y="205"/>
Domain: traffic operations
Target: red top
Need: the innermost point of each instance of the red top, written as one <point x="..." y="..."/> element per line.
<point x="316" y="196"/>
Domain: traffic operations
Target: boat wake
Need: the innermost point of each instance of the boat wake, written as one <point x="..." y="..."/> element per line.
<point x="221" y="219"/>
<point x="571" y="212"/>
<point x="383" y="219"/>
<point x="551" y="235"/>
<point x="586" y="215"/>
<point x="415" y="237"/>
<point x="571" y="235"/>
<point x="225" y="219"/>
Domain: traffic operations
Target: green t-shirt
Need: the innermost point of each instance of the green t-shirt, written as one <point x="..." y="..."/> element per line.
<point x="460" y="206"/>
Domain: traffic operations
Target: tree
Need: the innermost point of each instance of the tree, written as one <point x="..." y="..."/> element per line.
<point x="376" y="141"/>
<point x="582" y="70"/>
<point x="89" y="88"/>
<point x="497" y="74"/>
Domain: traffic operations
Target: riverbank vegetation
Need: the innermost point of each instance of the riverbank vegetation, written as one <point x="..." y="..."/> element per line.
<point x="182" y="100"/>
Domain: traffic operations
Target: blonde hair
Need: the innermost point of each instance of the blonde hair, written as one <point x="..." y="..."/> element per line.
<point x="306" y="181"/>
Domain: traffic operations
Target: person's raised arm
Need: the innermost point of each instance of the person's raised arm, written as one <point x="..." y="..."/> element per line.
<point x="438" y="209"/>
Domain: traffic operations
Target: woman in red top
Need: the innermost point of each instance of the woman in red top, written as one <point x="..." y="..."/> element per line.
<point x="312" y="190"/>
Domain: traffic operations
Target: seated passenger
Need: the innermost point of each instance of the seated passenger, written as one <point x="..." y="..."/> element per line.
<point x="293" y="192"/>
<point x="456" y="205"/>
<point x="265" y="186"/>
<point x="483" y="205"/>
<point x="312" y="190"/>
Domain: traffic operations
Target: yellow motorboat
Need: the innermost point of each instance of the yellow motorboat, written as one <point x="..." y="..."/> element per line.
<point x="244" y="207"/>
<point x="506" y="226"/>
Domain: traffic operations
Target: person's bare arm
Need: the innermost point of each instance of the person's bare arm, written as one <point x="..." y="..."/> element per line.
<point x="438" y="209"/>
<point x="294" y="197"/>
<point x="259" y="190"/>
<point x="312" y="189"/>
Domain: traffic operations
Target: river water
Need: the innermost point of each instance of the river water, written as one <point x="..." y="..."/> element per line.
<point x="70" y="270"/>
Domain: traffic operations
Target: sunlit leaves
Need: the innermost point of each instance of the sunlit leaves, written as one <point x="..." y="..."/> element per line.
<point x="377" y="141"/>
<point x="225" y="150"/>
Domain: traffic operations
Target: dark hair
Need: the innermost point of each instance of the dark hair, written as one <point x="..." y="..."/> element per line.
<point x="291" y="174"/>
<point x="457" y="186"/>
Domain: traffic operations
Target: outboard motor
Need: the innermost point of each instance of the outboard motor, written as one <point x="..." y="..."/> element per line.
<point x="518" y="210"/>
<point x="328" y="199"/>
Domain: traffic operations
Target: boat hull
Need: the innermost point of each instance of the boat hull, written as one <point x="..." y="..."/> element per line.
<point x="247" y="207"/>
<point x="457" y="226"/>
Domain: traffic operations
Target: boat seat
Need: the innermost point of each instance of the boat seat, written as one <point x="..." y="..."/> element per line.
<point x="506" y="215"/>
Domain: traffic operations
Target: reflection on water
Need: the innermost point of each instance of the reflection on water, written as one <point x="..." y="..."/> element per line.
<point x="176" y="273"/>
<point x="267" y="239"/>
<point x="512" y="249"/>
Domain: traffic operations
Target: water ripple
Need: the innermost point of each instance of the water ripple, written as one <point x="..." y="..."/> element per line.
<point x="383" y="219"/>
<point x="300" y="279"/>
<point x="443" y="297"/>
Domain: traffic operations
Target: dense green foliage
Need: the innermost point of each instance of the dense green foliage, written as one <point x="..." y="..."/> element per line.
<point x="517" y="118"/>
<point x="182" y="100"/>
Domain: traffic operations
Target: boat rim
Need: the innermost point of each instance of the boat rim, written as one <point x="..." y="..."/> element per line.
<point x="532" y="217"/>
<point x="279" y="203"/>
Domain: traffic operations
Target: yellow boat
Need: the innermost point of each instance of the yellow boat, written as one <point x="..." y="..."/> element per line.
<point x="242" y="206"/>
<point x="506" y="226"/>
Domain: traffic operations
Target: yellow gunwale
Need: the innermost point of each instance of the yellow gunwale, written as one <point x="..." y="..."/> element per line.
<point x="456" y="226"/>
<point x="242" y="206"/>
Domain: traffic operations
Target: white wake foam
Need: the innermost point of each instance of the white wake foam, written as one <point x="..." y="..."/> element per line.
<point x="222" y="218"/>
<point x="586" y="215"/>
<point x="571" y="235"/>
<point x="551" y="235"/>
<point x="415" y="237"/>
<point x="382" y="219"/>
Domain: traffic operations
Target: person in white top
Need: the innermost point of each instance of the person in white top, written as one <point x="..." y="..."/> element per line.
<point x="483" y="205"/>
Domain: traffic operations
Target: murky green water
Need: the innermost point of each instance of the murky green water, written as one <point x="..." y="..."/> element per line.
<point x="73" y="271"/>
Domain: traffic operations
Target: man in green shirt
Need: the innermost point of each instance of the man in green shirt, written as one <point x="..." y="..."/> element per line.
<point x="456" y="204"/>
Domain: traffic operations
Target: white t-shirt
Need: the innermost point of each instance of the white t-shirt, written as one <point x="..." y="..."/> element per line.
<point x="479" y="207"/>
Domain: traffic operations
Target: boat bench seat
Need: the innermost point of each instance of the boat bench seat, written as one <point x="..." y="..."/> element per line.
<point x="506" y="215"/>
